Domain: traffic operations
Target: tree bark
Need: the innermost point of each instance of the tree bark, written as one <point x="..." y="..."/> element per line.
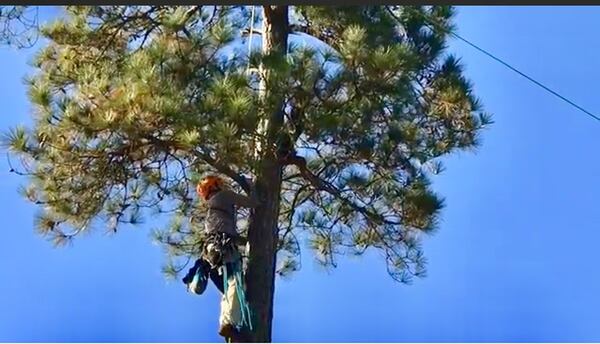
<point x="263" y="231"/>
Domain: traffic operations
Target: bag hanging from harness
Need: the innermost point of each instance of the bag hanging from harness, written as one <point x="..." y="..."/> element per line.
<point x="196" y="279"/>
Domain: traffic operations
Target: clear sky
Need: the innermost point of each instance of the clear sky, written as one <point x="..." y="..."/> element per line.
<point x="514" y="260"/>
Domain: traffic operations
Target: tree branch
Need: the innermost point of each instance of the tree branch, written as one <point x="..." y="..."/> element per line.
<point x="320" y="184"/>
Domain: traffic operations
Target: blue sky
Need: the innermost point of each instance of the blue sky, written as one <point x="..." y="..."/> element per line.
<point x="514" y="260"/>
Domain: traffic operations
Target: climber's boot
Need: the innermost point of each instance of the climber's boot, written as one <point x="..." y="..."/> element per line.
<point x="231" y="333"/>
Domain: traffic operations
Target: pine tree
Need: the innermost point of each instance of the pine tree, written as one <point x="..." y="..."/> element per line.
<point x="18" y="26"/>
<point x="133" y="104"/>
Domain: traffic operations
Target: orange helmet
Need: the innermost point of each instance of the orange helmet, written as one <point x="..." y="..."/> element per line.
<point x="208" y="186"/>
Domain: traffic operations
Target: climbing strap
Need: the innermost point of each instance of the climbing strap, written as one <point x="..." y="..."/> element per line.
<point x="245" y="308"/>
<point x="240" y="291"/>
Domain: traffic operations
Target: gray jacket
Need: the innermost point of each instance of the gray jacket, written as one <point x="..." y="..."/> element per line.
<point x="221" y="215"/>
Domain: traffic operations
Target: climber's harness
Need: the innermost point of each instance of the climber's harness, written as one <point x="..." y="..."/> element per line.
<point x="220" y="249"/>
<point x="220" y="252"/>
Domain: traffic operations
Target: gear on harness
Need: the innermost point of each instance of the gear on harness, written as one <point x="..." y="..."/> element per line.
<point x="221" y="253"/>
<point x="197" y="277"/>
<point x="221" y="256"/>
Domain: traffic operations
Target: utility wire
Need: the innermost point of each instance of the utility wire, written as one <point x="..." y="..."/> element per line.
<point x="431" y="23"/>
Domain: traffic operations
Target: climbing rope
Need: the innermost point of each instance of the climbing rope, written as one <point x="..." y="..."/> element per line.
<point x="240" y="291"/>
<point x="250" y="38"/>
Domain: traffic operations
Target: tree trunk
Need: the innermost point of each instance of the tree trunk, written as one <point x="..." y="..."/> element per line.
<point x="263" y="230"/>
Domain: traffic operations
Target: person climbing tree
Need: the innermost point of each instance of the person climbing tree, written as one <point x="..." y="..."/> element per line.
<point x="221" y="253"/>
<point x="341" y="134"/>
